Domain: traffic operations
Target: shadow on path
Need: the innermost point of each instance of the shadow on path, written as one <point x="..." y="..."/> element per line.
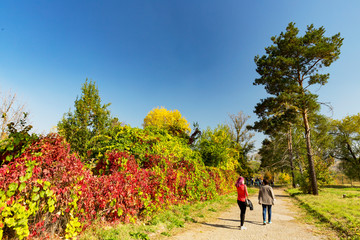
<point x="232" y="220"/>
<point x="254" y="222"/>
<point x="237" y="220"/>
<point x="220" y="225"/>
<point x="282" y="196"/>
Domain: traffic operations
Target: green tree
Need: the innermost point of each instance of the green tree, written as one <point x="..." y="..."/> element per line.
<point x="291" y="66"/>
<point x="275" y="152"/>
<point x="90" y="118"/>
<point x="17" y="141"/>
<point x="217" y="148"/>
<point x="347" y="142"/>
<point x="277" y="117"/>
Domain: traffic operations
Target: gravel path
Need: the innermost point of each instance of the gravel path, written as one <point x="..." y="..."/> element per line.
<point x="283" y="226"/>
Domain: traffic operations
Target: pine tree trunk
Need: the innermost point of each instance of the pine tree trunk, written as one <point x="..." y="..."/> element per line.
<point x="291" y="156"/>
<point x="309" y="154"/>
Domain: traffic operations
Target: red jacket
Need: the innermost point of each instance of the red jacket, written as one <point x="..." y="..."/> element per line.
<point x="242" y="193"/>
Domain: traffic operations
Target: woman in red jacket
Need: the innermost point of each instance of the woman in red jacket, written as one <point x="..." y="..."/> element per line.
<point x="242" y="194"/>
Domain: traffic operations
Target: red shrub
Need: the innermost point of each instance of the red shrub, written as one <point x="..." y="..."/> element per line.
<point x="122" y="192"/>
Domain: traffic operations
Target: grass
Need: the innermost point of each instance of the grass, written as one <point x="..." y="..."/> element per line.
<point x="337" y="207"/>
<point x="165" y="223"/>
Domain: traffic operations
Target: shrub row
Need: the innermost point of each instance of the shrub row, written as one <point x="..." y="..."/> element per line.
<point x="48" y="192"/>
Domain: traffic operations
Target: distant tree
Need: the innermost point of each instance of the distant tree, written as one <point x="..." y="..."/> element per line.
<point x="291" y="66"/>
<point x="347" y="145"/>
<point x="90" y="118"/>
<point x="10" y="112"/>
<point x="171" y="120"/>
<point x="240" y="134"/>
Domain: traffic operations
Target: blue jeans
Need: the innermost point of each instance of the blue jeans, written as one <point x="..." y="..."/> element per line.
<point x="264" y="212"/>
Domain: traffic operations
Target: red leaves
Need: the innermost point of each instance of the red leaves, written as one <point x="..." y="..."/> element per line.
<point x="124" y="190"/>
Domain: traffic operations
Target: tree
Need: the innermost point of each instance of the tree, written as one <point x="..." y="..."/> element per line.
<point x="277" y="117"/>
<point x="217" y="148"/>
<point x="291" y="66"/>
<point x="171" y="120"/>
<point x="347" y="145"/>
<point x="240" y="134"/>
<point x="90" y="118"/>
<point x="17" y="140"/>
<point x="10" y="112"/>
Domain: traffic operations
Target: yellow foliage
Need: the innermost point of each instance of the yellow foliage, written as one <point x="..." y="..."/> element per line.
<point x="170" y="120"/>
<point x="284" y="178"/>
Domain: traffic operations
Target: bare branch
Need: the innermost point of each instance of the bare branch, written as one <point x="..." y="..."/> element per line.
<point x="10" y="111"/>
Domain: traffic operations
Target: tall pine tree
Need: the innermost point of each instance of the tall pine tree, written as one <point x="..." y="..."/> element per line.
<point x="291" y="65"/>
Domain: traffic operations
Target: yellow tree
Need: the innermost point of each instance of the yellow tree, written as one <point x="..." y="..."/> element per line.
<point x="170" y="120"/>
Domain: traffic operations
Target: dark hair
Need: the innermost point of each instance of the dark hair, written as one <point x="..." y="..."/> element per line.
<point x="266" y="182"/>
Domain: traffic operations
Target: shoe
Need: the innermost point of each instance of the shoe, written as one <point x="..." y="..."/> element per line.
<point x="264" y="223"/>
<point x="243" y="228"/>
<point x="269" y="222"/>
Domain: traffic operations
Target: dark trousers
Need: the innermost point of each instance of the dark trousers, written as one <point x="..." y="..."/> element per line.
<point x="242" y="206"/>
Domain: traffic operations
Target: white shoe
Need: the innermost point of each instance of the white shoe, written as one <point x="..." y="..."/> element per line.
<point x="243" y="228"/>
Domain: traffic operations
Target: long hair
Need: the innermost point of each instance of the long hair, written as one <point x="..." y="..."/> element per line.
<point x="239" y="182"/>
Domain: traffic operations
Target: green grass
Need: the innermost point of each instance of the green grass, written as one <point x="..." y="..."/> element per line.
<point x="330" y="207"/>
<point x="165" y="223"/>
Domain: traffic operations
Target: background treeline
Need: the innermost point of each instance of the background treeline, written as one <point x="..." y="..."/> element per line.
<point x="95" y="167"/>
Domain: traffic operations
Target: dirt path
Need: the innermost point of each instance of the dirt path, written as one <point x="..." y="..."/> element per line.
<point x="284" y="225"/>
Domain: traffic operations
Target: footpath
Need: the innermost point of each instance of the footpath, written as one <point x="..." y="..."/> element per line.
<point x="226" y="226"/>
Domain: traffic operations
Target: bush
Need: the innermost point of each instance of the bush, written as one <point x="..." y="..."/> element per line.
<point x="48" y="191"/>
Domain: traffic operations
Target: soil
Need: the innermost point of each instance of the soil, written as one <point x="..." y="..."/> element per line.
<point x="226" y="225"/>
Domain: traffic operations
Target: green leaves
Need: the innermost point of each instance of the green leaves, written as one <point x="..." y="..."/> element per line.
<point x="11" y="190"/>
<point x="217" y="148"/>
<point x="22" y="186"/>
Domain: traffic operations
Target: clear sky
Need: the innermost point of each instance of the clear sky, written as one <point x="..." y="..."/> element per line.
<point x="194" y="56"/>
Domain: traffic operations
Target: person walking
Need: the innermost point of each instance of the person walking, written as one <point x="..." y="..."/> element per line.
<point x="241" y="200"/>
<point x="266" y="199"/>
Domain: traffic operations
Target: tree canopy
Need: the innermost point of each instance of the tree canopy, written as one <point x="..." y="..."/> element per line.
<point x="171" y="120"/>
<point x="217" y="148"/>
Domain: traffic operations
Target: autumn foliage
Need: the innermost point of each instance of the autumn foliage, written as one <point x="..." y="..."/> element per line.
<point x="48" y="192"/>
<point x="171" y="120"/>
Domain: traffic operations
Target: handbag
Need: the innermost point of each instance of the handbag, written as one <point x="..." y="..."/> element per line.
<point x="249" y="204"/>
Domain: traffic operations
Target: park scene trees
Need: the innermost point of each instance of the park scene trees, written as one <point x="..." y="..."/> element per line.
<point x="94" y="166"/>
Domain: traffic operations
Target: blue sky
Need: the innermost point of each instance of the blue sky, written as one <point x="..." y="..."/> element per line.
<point x="194" y="56"/>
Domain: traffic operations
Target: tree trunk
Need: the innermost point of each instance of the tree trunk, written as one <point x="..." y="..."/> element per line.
<point x="309" y="154"/>
<point x="291" y="156"/>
